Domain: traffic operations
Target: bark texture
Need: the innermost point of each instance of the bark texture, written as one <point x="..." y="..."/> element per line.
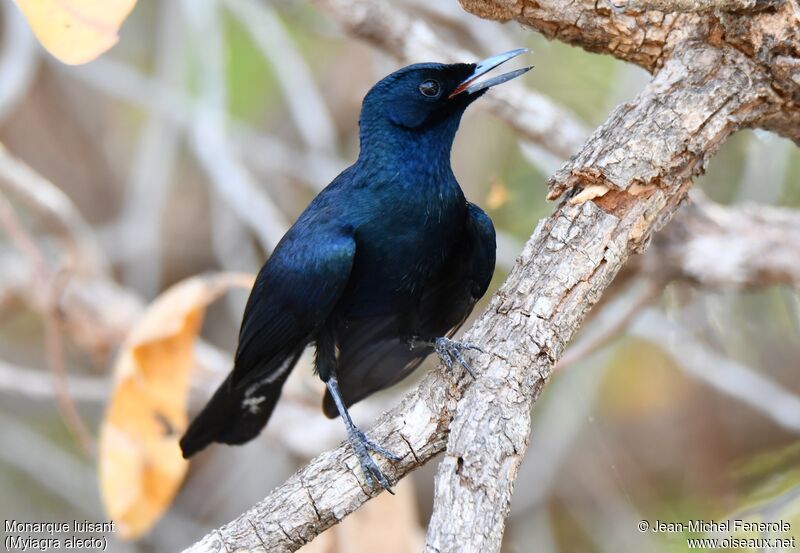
<point x="770" y="40"/>
<point x="735" y="6"/>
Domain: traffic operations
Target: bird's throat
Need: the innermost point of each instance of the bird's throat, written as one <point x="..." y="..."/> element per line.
<point x="387" y="143"/>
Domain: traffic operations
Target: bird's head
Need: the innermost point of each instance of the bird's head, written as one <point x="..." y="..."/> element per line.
<point x="428" y="99"/>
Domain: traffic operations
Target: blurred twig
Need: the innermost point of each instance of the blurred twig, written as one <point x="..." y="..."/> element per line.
<point x="209" y="136"/>
<point x="19" y="58"/>
<point x="719" y="247"/>
<point x="233" y="249"/>
<point x="48" y="202"/>
<point x="32" y="383"/>
<point x="45" y="284"/>
<point x="151" y="175"/>
<point x="534" y="116"/>
<point x="300" y="92"/>
<point x="212" y="144"/>
<point x="126" y="83"/>
<point x="96" y="310"/>
<point x="720" y="372"/>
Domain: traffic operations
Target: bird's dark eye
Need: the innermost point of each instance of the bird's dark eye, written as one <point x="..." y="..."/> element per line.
<point x="429" y="88"/>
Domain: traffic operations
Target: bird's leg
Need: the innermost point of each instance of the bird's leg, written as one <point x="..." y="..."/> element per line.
<point x="449" y="351"/>
<point x="360" y="443"/>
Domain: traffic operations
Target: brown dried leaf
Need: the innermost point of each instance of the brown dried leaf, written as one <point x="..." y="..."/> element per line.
<point x="76" y="31"/>
<point x="140" y="462"/>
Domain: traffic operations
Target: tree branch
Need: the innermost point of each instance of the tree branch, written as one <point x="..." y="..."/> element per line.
<point x="719" y="247"/>
<point x="768" y="39"/>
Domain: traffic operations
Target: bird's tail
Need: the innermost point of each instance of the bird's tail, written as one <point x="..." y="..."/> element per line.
<point x="236" y="414"/>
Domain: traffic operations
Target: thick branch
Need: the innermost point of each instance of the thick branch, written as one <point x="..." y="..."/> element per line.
<point x="770" y="39"/>
<point x="669" y="125"/>
<point x="570" y="259"/>
<point x="643" y="39"/>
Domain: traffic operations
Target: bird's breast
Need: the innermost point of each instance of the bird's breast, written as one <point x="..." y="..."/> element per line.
<point x="399" y="248"/>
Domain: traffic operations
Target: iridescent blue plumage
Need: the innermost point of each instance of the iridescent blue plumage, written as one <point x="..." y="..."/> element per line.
<point x="388" y="255"/>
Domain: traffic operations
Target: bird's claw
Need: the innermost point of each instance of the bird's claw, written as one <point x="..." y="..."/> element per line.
<point x="452" y="351"/>
<point x="362" y="446"/>
<point x="379" y="449"/>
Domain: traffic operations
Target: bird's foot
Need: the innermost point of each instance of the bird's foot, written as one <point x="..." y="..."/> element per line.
<point x="452" y="351"/>
<point x="362" y="446"/>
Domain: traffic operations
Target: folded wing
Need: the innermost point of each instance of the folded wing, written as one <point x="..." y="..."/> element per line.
<point x="294" y="293"/>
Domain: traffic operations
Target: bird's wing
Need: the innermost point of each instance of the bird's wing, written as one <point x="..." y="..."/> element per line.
<point x="294" y="293"/>
<point x="449" y="298"/>
<point x="374" y="353"/>
<point x="472" y="271"/>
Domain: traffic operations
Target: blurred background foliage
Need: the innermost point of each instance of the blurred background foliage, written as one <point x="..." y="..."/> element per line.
<point x="628" y="433"/>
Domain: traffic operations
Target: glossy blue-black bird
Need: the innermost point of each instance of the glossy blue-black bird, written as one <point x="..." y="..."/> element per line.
<point x="379" y="270"/>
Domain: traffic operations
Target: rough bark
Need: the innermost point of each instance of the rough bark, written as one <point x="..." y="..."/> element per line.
<point x="735" y="6"/>
<point x="770" y="40"/>
<point x="568" y="262"/>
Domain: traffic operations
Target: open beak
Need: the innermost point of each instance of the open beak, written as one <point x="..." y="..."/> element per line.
<point x="470" y="84"/>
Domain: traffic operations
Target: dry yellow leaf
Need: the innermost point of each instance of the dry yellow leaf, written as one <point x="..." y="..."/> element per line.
<point x="140" y="461"/>
<point x="76" y="31"/>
